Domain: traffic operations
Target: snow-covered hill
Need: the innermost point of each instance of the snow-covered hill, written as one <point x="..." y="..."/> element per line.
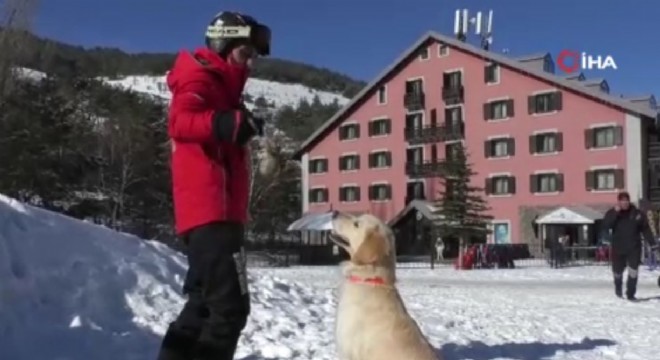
<point x="77" y="291"/>
<point x="275" y="93"/>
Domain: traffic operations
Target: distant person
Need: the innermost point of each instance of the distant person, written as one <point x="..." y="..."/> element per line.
<point x="628" y="225"/>
<point x="210" y="128"/>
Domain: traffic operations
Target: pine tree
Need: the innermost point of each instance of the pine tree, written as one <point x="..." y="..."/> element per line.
<point x="462" y="211"/>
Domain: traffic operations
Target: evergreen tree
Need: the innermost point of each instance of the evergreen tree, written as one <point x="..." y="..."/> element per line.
<point x="462" y="211"/>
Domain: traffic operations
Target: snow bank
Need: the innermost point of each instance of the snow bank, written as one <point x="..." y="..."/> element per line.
<point x="73" y="290"/>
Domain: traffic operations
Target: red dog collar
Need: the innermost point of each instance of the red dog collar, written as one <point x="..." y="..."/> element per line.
<point x="371" y="281"/>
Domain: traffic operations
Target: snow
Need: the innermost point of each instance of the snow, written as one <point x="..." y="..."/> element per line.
<point x="278" y="94"/>
<point x="74" y="290"/>
<point x="275" y="93"/>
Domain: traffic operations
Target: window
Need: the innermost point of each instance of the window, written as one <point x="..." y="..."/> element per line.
<point x="424" y="53"/>
<point x="349" y="132"/>
<point x="414" y="120"/>
<point x="452" y="80"/>
<point x="546" y="183"/>
<point x="415" y="191"/>
<point x="497" y="148"/>
<point x="492" y="74"/>
<point x="453" y="115"/>
<point x="380" y="159"/>
<point x="604" y="179"/>
<point x="380" y="127"/>
<point x="500" y="185"/>
<point x="415" y="86"/>
<point x="349" y="162"/>
<point x="451" y="190"/>
<point x="544" y="103"/>
<point x="500" y="109"/>
<point x="443" y="50"/>
<point x="451" y="151"/>
<point x="382" y="95"/>
<point x="349" y="193"/>
<point x="318" y="166"/>
<point x="546" y="143"/>
<point x="380" y="192"/>
<point x="318" y="195"/>
<point x="603" y="137"/>
<point x="415" y="155"/>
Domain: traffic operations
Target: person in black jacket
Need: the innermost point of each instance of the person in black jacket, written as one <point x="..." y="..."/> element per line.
<point x="627" y="225"/>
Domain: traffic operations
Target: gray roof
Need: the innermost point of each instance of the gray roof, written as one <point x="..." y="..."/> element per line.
<point x="424" y="207"/>
<point x="575" y="77"/>
<point x="593" y="82"/>
<point x="568" y="85"/>
<point x="582" y="210"/>
<point x="532" y="57"/>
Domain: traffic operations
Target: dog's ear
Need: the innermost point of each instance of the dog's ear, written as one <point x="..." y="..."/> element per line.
<point x="373" y="248"/>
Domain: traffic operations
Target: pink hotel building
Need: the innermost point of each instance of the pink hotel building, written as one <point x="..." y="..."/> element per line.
<point x="548" y="148"/>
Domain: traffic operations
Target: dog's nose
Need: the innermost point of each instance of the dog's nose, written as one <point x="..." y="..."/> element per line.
<point x="335" y="214"/>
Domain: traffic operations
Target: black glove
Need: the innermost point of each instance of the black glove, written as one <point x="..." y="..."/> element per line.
<point x="237" y="126"/>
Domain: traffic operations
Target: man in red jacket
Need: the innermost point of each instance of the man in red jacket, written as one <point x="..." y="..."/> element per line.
<point x="209" y="129"/>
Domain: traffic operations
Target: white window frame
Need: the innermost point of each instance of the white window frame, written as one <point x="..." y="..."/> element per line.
<point x="382" y="89"/>
<point x="440" y="47"/>
<point x="498" y="73"/>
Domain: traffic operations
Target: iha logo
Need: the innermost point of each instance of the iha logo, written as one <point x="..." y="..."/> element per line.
<point x="570" y="61"/>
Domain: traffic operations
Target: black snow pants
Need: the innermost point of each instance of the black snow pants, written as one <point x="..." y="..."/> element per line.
<point x="218" y="305"/>
<point x="632" y="259"/>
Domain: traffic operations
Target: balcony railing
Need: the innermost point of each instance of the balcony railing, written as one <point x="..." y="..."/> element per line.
<point x="654" y="150"/>
<point x="414" y="101"/>
<point x="654" y="194"/>
<point x="434" y="133"/>
<point x="453" y="95"/>
<point x="431" y="168"/>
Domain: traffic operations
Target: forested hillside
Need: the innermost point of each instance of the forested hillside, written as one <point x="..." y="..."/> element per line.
<point x="62" y="59"/>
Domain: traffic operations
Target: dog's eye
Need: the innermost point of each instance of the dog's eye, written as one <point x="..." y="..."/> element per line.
<point x="356" y="224"/>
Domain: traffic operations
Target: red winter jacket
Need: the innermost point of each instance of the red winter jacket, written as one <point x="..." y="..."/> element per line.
<point x="210" y="177"/>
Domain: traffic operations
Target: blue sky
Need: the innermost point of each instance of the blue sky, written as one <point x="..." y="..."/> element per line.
<point x="361" y="37"/>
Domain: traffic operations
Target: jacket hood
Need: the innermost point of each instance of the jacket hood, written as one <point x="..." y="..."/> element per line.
<point x="200" y="64"/>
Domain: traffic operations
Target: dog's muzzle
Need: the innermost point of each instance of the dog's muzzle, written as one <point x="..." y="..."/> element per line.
<point x="338" y="239"/>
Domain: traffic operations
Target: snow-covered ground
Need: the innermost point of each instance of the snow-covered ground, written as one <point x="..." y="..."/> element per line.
<point x="277" y="94"/>
<point x="72" y="290"/>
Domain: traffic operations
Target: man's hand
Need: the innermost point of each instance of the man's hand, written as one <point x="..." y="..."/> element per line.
<point x="617" y="208"/>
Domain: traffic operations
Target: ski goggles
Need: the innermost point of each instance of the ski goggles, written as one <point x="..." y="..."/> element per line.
<point x="257" y="34"/>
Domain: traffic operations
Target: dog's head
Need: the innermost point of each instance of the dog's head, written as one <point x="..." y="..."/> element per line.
<point x="366" y="239"/>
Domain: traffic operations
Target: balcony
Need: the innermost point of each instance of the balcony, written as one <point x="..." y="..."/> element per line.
<point x="654" y="150"/>
<point x="414" y="101"/>
<point x="434" y="133"/>
<point x="429" y="169"/>
<point x="654" y="195"/>
<point x="453" y="95"/>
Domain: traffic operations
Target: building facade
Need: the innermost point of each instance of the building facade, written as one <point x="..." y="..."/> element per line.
<point x="537" y="140"/>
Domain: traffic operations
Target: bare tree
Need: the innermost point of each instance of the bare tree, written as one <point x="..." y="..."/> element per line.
<point x="16" y="18"/>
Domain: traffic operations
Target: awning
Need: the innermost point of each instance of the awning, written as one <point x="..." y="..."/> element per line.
<point x="422" y="208"/>
<point x="576" y="215"/>
<point x="313" y="222"/>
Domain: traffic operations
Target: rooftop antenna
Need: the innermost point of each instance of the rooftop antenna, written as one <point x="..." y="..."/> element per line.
<point x="483" y="27"/>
